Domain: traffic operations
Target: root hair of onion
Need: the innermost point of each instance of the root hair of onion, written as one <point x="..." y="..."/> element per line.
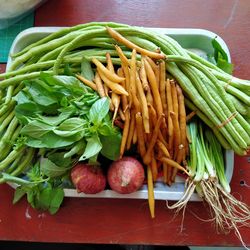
<point x="226" y="211"/>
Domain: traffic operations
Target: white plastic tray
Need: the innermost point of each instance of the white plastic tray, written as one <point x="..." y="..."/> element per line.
<point x="189" y="38"/>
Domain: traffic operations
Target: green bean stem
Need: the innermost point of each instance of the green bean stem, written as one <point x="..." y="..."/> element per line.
<point x="5" y="115"/>
<point x="236" y="92"/>
<point x="216" y="104"/>
<point x="53" y="44"/>
<point x="205" y="119"/>
<point x="239" y="105"/>
<point x="9" y="94"/>
<point x="9" y="131"/>
<point x="6" y="150"/>
<point x="25" y="162"/>
<point x="13" y="165"/>
<point x="7" y="120"/>
<point x="6" y="107"/>
<point x="74" y="43"/>
<point x="11" y="157"/>
<point x="64" y="31"/>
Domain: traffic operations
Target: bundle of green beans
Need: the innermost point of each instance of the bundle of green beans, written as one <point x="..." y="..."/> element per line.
<point x="220" y="100"/>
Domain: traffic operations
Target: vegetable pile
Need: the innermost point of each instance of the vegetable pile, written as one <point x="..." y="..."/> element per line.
<point x="77" y="103"/>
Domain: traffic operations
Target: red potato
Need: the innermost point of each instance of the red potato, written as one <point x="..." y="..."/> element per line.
<point x="88" y="179"/>
<point x="126" y="175"/>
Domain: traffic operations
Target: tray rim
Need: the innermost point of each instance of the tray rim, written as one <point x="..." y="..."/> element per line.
<point x="142" y="193"/>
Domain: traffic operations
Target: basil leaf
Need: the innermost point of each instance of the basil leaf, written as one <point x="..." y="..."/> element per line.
<point x="52" y="170"/>
<point x="43" y="200"/>
<point x="57" y="196"/>
<point x="68" y="133"/>
<point x="78" y="149"/>
<point x="218" y="49"/>
<point x="41" y="93"/>
<point x="71" y="127"/>
<point x="86" y="69"/>
<point x="93" y="147"/>
<point x="67" y="70"/>
<point x="221" y="57"/>
<point x="106" y="129"/>
<point x="58" y="159"/>
<point x="18" y="195"/>
<point x="111" y="146"/>
<point x="43" y="196"/>
<point x="224" y="65"/>
<point x="99" y="110"/>
<point x="31" y="196"/>
<point x="24" y="111"/>
<point x="72" y="124"/>
<point x="68" y="82"/>
<point x="51" y="140"/>
<point x="34" y="173"/>
<point x="54" y="120"/>
<point x="36" y="129"/>
<point x="21" y="97"/>
<point x="58" y="112"/>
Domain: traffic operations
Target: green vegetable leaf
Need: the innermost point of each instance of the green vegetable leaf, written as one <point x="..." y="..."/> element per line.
<point x="45" y="194"/>
<point x="99" y="110"/>
<point x="52" y="170"/>
<point x="41" y="93"/>
<point x="221" y="57"/>
<point x="58" y="159"/>
<point x="67" y="70"/>
<point x="22" y="97"/>
<point x="86" y="69"/>
<point x="51" y="140"/>
<point x="63" y="133"/>
<point x="78" y="149"/>
<point x="18" y="195"/>
<point x="58" y="112"/>
<point x="68" y="82"/>
<point x="218" y="49"/>
<point x="106" y="129"/>
<point x="57" y="196"/>
<point x="72" y="124"/>
<point x="44" y="198"/>
<point x="225" y="66"/>
<point x="111" y="146"/>
<point x="31" y="195"/>
<point x="48" y="198"/>
<point x="72" y="127"/>
<point x="25" y="111"/>
<point x="55" y="120"/>
<point x="93" y="147"/>
<point x="36" y="129"/>
<point x="34" y="173"/>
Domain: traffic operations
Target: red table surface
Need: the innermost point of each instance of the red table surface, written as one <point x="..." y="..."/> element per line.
<point x="128" y="221"/>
